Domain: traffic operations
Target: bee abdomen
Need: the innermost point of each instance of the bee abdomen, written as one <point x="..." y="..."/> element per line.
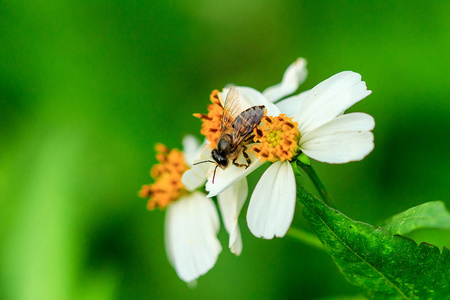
<point x="249" y="118"/>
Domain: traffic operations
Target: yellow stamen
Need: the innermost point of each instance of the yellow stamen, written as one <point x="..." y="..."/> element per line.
<point x="167" y="174"/>
<point x="278" y="138"/>
<point x="212" y="122"/>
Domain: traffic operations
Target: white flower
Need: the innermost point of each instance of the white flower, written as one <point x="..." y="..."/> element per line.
<point x="315" y="120"/>
<point x="232" y="193"/>
<point x="326" y="134"/>
<point x="294" y="75"/>
<point x="230" y="201"/>
<point x="191" y="222"/>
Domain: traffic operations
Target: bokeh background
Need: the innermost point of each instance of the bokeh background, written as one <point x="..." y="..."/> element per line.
<point x="88" y="87"/>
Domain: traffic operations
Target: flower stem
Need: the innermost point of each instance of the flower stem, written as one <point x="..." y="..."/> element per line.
<point x="305" y="237"/>
<point x="318" y="183"/>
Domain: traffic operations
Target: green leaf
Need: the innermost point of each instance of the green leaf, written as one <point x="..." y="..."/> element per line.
<point x="428" y="215"/>
<point x="384" y="266"/>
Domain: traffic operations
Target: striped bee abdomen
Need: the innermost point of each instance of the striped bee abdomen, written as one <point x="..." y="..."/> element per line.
<point x="248" y="120"/>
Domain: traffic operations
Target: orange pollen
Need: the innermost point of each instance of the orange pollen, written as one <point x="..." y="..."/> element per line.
<point x="278" y="138"/>
<point x="167" y="174"/>
<point x="212" y="122"/>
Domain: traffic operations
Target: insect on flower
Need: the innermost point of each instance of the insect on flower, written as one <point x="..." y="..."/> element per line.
<point x="236" y="132"/>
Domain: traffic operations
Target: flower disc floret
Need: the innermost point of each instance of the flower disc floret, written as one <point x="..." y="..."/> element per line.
<point x="167" y="174"/>
<point x="212" y="122"/>
<point x="278" y="139"/>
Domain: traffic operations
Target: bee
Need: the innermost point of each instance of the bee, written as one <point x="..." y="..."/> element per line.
<point x="236" y="132"/>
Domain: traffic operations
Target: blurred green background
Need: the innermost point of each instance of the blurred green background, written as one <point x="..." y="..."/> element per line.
<point x="88" y="87"/>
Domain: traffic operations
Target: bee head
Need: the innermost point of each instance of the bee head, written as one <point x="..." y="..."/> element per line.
<point x="221" y="160"/>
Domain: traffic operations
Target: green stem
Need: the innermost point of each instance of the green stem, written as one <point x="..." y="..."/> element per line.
<point x="305" y="237"/>
<point x="318" y="183"/>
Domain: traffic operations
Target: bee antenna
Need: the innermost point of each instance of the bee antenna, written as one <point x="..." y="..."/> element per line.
<point x="214" y="176"/>
<point x="200" y="162"/>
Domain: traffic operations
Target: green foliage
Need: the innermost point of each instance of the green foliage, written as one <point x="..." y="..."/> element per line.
<point x="383" y="265"/>
<point x="116" y="77"/>
<point x="304" y="159"/>
<point x="428" y="215"/>
<point x="295" y="168"/>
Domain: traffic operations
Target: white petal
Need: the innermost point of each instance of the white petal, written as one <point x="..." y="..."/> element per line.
<point x="191" y="240"/>
<point x="294" y="75"/>
<point x="232" y="174"/>
<point x="344" y="139"/>
<point x="272" y="204"/>
<point x="191" y="149"/>
<point x="329" y="99"/>
<point x="250" y="97"/>
<point x="230" y="203"/>
<point x="344" y="123"/>
<point x="290" y="106"/>
<point x="195" y="177"/>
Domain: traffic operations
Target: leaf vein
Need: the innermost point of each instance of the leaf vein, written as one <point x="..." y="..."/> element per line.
<point x="356" y="254"/>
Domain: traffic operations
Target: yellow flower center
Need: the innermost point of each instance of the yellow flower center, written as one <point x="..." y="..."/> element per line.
<point x="212" y="122"/>
<point x="167" y="174"/>
<point x="278" y="138"/>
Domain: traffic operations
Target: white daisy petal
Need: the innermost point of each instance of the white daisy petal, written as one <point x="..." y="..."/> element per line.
<point x="329" y="99"/>
<point x="341" y="148"/>
<point x="272" y="204"/>
<point x="191" y="240"/>
<point x="250" y="97"/>
<point x="294" y="75"/>
<point x="232" y="174"/>
<point x="191" y="149"/>
<point x="195" y="177"/>
<point x="291" y="105"/>
<point x="346" y="138"/>
<point x="230" y="203"/>
<point x="344" y="123"/>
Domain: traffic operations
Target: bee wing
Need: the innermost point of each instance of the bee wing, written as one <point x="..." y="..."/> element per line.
<point x="231" y="108"/>
<point x="245" y="123"/>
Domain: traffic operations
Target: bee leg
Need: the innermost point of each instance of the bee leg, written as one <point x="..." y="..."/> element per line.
<point x="247" y="158"/>
<point x="249" y="139"/>
<point x="238" y="164"/>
